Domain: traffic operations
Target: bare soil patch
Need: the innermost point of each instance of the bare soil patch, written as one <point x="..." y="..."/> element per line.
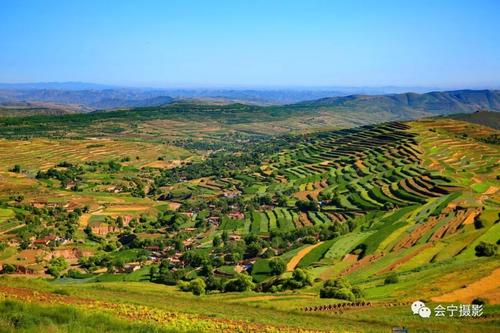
<point x="488" y="287"/>
<point x="298" y="257"/>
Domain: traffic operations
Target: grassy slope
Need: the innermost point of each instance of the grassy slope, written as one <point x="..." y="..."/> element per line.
<point x="247" y="309"/>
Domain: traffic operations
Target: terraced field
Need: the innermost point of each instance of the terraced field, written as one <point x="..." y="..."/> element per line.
<point x="356" y="171"/>
<point x="408" y="200"/>
<point x="44" y="153"/>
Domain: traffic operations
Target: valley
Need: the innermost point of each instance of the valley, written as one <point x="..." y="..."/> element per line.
<point x="210" y="217"/>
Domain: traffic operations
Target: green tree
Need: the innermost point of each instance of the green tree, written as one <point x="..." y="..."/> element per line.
<point x="340" y="288"/>
<point x="242" y="282"/>
<point x="8" y="268"/>
<point x="391" y="279"/>
<point x="486" y="249"/>
<point x="217" y="241"/>
<point x="277" y="266"/>
<point x="197" y="286"/>
<point x="57" y="266"/>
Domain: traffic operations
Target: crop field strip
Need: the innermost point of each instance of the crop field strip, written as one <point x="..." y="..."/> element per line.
<point x="44" y="153"/>
<point x="362" y="169"/>
<point x="355" y="166"/>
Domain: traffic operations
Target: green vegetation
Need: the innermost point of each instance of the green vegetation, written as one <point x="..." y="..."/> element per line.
<point x="244" y="226"/>
<point x="486" y="249"/>
<point x="18" y="317"/>
<point x="341" y="289"/>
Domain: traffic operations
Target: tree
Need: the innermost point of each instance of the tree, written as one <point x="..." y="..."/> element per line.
<point x="277" y="266"/>
<point x="340" y="288"/>
<point x="253" y="249"/>
<point x="300" y="279"/>
<point x="307" y="205"/>
<point x="225" y="236"/>
<point x="217" y="241"/>
<point x="242" y="282"/>
<point x="16" y="168"/>
<point x="486" y="249"/>
<point x="57" y="266"/>
<point x="197" y="286"/>
<point x="154" y="271"/>
<point x="391" y="279"/>
<point x="8" y="268"/>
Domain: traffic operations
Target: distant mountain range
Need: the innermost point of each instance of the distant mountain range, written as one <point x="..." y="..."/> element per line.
<point x="442" y="102"/>
<point x="99" y="96"/>
<point x="88" y="99"/>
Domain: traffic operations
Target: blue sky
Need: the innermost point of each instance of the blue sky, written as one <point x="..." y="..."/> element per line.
<point x="259" y="43"/>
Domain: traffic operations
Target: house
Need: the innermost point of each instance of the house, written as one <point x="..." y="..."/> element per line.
<point x="237" y="215"/>
<point x="45" y="241"/>
<point x="24" y="270"/>
<point x="70" y="184"/>
<point x="38" y="204"/>
<point x="132" y="268"/>
<point x="174" y="260"/>
<point x="154" y="248"/>
<point x="231" y="194"/>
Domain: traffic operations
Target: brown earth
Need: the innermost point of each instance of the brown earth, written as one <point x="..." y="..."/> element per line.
<point x="488" y="287"/>
<point x="298" y="257"/>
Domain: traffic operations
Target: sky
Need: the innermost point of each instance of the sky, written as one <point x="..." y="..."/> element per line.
<point x="258" y="43"/>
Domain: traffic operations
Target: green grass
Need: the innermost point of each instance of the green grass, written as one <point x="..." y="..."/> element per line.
<point x="316" y="254"/>
<point x="26" y="318"/>
<point x="261" y="270"/>
<point x="480" y="187"/>
<point x="6" y="213"/>
<point x="129" y="255"/>
<point x="374" y="240"/>
<point x="344" y="244"/>
<point x="141" y="274"/>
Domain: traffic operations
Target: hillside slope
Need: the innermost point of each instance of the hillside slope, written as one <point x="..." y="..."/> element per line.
<point x="490" y="119"/>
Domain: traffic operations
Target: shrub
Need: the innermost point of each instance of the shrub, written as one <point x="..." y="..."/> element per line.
<point x="197" y="286"/>
<point x="242" y="282"/>
<point x="391" y="279"/>
<point x="300" y="279"/>
<point x="8" y="268"/>
<point x="341" y="293"/>
<point x="57" y="266"/>
<point x="486" y="249"/>
<point x="184" y="286"/>
<point x="340" y="288"/>
<point x="277" y="266"/>
<point x="479" y="301"/>
<point x="478" y="224"/>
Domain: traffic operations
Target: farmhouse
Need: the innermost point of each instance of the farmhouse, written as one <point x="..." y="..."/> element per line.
<point x="237" y="215"/>
<point x="45" y="241"/>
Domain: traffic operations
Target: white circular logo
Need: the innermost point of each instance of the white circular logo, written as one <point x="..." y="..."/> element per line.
<point x="415" y="306"/>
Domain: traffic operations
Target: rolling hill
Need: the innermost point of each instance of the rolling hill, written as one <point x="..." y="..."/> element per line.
<point x="446" y="102"/>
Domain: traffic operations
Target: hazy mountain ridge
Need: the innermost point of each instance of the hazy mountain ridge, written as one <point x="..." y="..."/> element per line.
<point x="101" y="96"/>
<point x="490" y="119"/>
<point x="93" y="99"/>
<point x="446" y="102"/>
